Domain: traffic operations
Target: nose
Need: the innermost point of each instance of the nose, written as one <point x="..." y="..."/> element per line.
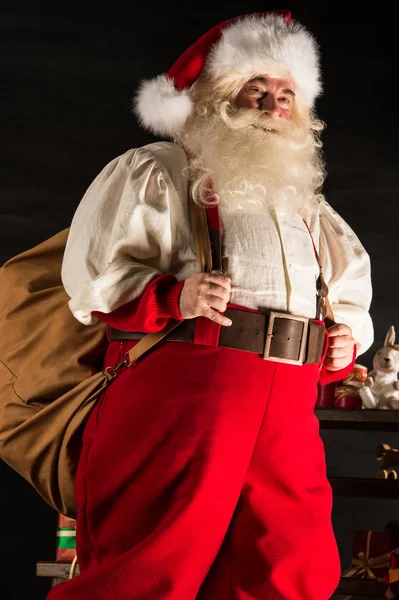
<point x="268" y="104"/>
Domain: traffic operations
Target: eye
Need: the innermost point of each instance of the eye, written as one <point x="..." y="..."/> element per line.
<point x="285" y="100"/>
<point x="257" y="90"/>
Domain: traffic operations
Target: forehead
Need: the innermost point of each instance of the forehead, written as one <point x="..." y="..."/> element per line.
<point x="278" y="83"/>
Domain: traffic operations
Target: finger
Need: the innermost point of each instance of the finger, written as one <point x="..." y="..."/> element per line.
<point x="339" y="329"/>
<point x="341" y="341"/>
<point x="219" y="280"/>
<point x="211" y="314"/>
<point x="216" y="302"/>
<point x="338" y="353"/>
<point x="218" y="290"/>
<point x="205" y="289"/>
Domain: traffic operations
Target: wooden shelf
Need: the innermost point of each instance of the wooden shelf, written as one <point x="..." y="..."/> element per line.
<point x="360" y="587"/>
<point x="358" y="418"/>
<point x="365" y="487"/>
<point x="60" y="571"/>
<point x="57" y="570"/>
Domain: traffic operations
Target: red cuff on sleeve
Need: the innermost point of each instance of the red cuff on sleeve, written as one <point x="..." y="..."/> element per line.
<point x="327" y="376"/>
<point x="150" y="312"/>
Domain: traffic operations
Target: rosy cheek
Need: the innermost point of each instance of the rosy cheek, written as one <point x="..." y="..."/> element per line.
<point x="244" y="101"/>
<point x="286" y="112"/>
<point x="251" y="102"/>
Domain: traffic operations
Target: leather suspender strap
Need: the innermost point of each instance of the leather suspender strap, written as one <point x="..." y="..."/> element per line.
<point x="324" y="310"/>
<point x="215" y="235"/>
<point x="206" y="227"/>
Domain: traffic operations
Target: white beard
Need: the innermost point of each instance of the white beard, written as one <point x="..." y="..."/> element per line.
<point x="252" y="167"/>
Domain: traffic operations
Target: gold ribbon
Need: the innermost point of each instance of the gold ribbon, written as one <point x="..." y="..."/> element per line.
<point x="363" y="564"/>
<point x="351" y="376"/>
<point x="342" y="391"/>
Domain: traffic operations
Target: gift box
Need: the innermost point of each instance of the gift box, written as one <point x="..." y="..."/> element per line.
<point x="392" y="577"/>
<point x="326" y="395"/>
<point x="371" y="555"/>
<point x="347" y="397"/>
<point x="66" y="539"/>
<point x="356" y="377"/>
<point x="347" y="391"/>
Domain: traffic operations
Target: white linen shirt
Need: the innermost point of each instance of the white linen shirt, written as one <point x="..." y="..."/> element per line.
<point x="132" y="225"/>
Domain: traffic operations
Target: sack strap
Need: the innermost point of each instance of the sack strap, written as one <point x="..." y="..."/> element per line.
<point x="201" y="235"/>
<point x="145" y="344"/>
<point x="204" y="247"/>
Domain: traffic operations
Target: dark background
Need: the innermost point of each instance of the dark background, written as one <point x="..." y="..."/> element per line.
<point x="68" y="76"/>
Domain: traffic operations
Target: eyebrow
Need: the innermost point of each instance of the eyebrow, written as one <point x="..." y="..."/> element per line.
<point x="266" y="82"/>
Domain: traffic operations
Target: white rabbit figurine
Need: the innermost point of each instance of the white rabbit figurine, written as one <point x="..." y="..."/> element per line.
<point x="381" y="388"/>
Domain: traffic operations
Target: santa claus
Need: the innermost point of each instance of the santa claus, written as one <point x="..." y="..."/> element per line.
<point x="203" y="474"/>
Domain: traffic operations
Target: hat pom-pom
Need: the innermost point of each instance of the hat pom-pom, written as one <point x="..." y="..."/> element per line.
<point x="160" y="107"/>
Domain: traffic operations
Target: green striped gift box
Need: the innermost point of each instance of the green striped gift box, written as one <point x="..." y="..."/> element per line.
<point x="66" y="539"/>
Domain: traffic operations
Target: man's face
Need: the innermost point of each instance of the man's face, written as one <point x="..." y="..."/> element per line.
<point x="257" y="145"/>
<point x="273" y="96"/>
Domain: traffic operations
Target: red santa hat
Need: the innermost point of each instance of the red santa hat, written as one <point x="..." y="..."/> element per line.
<point x="264" y="43"/>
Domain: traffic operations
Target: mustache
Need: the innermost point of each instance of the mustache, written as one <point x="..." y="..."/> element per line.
<point x="240" y="118"/>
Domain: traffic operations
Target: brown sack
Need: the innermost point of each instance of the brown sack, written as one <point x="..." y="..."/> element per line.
<point x="50" y="373"/>
<point x="51" y="367"/>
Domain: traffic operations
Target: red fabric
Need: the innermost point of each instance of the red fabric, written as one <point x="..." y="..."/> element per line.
<point x="203" y="477"/>
<point x="329" y="376"/>
<point x="206" y="332"/>
<point x="150" y="312"/>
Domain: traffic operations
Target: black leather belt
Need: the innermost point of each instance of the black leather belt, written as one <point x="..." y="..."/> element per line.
<point x="278" y="337"/>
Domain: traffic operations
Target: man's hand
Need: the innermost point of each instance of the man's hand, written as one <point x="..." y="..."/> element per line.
<point x="203" y="295"/>
<point x="340" y="347"/>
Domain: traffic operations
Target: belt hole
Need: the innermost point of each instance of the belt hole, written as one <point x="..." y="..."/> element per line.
<point x="257" y="333"/>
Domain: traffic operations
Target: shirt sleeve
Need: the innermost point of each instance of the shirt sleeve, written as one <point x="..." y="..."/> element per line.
<point x="152" y="311"/>
<point x="120" y="237"/>
<point x="347" y="272"/>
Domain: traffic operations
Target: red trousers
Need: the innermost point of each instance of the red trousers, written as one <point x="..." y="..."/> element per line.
<point x="203" y="477"/>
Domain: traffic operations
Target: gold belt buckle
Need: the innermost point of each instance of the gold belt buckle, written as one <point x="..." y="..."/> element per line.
<point x="269" y="337"/>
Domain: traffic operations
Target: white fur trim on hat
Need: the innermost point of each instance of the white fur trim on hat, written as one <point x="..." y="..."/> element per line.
<point x="160" y="107"/>
<point x="251" y="44"/>
<point x="254" y="44"/>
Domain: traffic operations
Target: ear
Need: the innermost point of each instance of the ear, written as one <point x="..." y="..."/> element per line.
<point x="390" y="337"/>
